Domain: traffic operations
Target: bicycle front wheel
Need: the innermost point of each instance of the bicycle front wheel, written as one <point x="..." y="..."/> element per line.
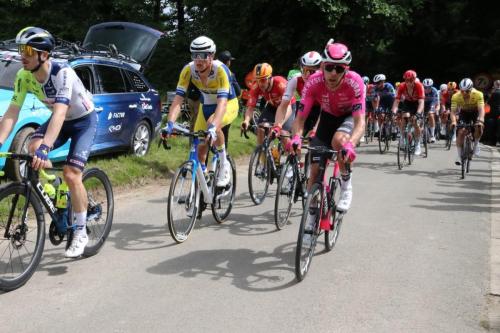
<point x="285" y="194"/>
<point x="183" y="202"/>
<point x="332" y="235"/>
<point x="22" y="236"/>
<point x="100" y="209"/>
<point x="224" y="196"/>
<point x="259" y="175"/>
<point x="308" y="232"/>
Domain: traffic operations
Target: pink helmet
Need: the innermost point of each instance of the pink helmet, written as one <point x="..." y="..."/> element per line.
<point x="337" y="53"/>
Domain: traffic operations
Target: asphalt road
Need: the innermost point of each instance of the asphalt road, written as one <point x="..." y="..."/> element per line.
<point x="413" y="256"/>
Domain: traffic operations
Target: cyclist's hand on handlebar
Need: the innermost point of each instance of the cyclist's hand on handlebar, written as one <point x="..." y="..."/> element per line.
<point x="350" y="152"/>
<point x="294" y="144"/>
<point x="212" y="134"/>
<point x="275" y="132"/>
<point x="41" y="156"/>
<point x="167" y="130"/>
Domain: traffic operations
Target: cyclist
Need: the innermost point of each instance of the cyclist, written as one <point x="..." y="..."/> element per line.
<point x="384" y="95"/>
<point x="369" y="104"/>
<point x="73" y="117"/>
<point x="272" y="88"/>
<point x="468" y="105"/>
<point x="431" y="104"/>
<point x="341" y="94"/>
<point x="412" y="92"/>
<point x="219" y="105"/>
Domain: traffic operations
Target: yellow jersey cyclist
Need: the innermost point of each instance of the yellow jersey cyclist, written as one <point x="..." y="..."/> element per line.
<point x="218" y="107"/>
<point x="73" y="117"/>
<point x="468" y="105"/>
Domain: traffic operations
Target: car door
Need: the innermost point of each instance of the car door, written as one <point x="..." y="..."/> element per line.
<point x="118" y="107"/>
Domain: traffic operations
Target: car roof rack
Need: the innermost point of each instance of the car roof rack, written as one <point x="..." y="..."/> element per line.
<point x="72" y="50"/>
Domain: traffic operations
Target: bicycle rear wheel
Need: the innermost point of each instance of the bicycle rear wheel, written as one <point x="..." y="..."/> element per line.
<point x="381" y="139"/>
<point x="224" y="196"/>
<point x="100" y="209"/>
<point x="259" y="175"/>
<point x="183" y="200"/>
<point x="285" y="194"/>
<point x="308" y="232"/>
<point x="401" y="155"/>
<point x="22" y="236"/>
<point x="332" y="235"/>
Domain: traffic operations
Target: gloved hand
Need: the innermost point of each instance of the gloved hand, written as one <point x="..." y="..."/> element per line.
<point x="212" y="133"/>
<point x="275" y="131"/>
<point x="42" y="152"/>
<point x="167" y="130"/>
<point x="294" y="143"/>
<point x="350" y="155"/>
<point x="311" y="134"/>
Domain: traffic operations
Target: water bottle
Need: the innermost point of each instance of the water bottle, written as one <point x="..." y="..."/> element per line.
<point x="276" y="155"/>
<point x="62" y="196"/>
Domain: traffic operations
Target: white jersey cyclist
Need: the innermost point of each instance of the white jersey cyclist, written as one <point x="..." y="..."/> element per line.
<point x="62" y="86"/>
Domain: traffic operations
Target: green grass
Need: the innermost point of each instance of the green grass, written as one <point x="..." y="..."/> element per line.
<point x="128" y="170"/>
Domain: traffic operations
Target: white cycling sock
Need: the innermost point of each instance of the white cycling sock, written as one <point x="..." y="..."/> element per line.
<point x="346" y="182"/>
<point x="433" y="129"/>
<point x="459" y="151"/>
<point x="476" y="142"/>
<point x="222" y="153"/>
<point x="81" y="221"/>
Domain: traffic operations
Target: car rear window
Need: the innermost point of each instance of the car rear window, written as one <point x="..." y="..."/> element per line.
<point x="137" y="82"/>
<point x="8" y="71"/>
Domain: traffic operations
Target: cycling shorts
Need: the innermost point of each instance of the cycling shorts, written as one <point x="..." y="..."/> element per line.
<point x="81" y="131"/>
<point x="269" y="114"/>
<point x="205" y="111"/>
<point x="409" y="107"/>
<point x="312" y="118"/>
<point x="468" y="117"/>
<point x="329" y="125"/>
<point x="427" y="107"/>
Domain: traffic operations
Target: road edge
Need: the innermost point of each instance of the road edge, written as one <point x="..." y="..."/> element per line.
<point x="494" y="295"/>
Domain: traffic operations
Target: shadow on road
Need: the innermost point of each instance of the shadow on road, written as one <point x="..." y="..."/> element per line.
<point x="250" y="270"/>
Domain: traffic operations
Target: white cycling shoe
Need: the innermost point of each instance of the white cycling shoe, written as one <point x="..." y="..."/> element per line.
<point x="77" y="246"/>
<point x="345" y="199"/>
<point x="224" y="175"/>
<point x="477" y="150"/>
<point x="418" y="150"/>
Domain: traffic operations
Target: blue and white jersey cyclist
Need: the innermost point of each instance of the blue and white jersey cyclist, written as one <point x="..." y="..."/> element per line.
<point x="431" y="106"/>
<point x="219" y="104"/>
<point x="383" y="93"/>
<point x="73" y="117"/>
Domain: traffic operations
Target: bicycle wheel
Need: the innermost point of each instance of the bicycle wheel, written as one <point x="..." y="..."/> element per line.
<point x="401" y="155"/>
<point x="285" y="193"/>
<point x="381" y="139"/>
<point x="100" y="209"/>
<point x="22" y="236"/>
<point x="425" y="140"/>
<point x="224" y="196"/>
<point x="259" y="175"/>
<point x="183" y="200"/>
<point x="308" y="232"/>
<point x="332" y="235"/>
<point x="410" y="149"/>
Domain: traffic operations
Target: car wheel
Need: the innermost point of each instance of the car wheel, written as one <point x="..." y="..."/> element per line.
<point x="141" y="139"/>
<point x="15" y="169"/>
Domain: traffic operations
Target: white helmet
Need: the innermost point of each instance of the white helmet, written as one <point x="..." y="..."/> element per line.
<point x="443" y="87"/>
<point x="466" y="84"/>
<point x="428" y="83"/>
<point x="378" y="77"/>
<point x="202" y="44"/>
<point x="311" y="59"/>
<point x="366" y="79"/>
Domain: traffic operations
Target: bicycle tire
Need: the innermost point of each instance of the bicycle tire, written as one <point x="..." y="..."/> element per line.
<point x="280" y="220"/>
<point x="97" y="234"/>
<point x="332" y="235"/>
<point x="306" y="245"/>
<point x="221" y="214"/>
<point x="381" y="143"/>
<point x="9" y="280"/>
<point x="256" y="197"/>
<point x="425" y="140"/>
<point x="410" y="149"/>
<point x="401" y="155"/>
<point x="179" y="234"/>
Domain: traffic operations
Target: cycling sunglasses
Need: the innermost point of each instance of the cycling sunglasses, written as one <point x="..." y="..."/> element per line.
<point x="339" y="69"/>
<point x="200" y="55"/>
<point x="27" y="50"/>
<point x="309" y="71"/>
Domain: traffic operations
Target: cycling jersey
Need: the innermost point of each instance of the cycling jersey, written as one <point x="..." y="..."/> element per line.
<point x="348" y="98"/>
<point x="431" y="98"/>
<point x="62" y="86"/>
<point x="416" y="94"/>
<point x="470" y="104"/>
<point x="386" y="95"/>
<point x="273" y="96"/>
<point x="294" y="87"/>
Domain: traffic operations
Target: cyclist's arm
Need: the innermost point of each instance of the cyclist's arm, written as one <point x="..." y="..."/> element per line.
<point x="175" y="108"/>
<point x="420" y="108"/>
<point x="480" y="109"/>
<point x="253" y="96"/>
<point x="375" y="102"/>
<point x="8" y="121"/>
<point x="298" y="125"/>
<point x="55" y="124"/>
<point x="395" y="105"/>
<point x="453" y="113"/>
<point x="180" y="93"/>
<point x="359" y="128"/>
<point x="281" y="113"/>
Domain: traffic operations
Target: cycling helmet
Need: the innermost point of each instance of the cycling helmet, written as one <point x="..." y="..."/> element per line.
<point x="337" y="53"/>
<point x="410" y="74"/>
<point x="378" y="78"/>
<point x="311" y="59"/>
<point x="262" y="71"/>
<point x="428" y="83"/>
<point x="366" y="80"/>
<point x="466" y="84"/>
<point x="443" y="87"/>
<point x="39" y="39"/>
<point x="452" y="85"/>
<point x="202" y="44"/>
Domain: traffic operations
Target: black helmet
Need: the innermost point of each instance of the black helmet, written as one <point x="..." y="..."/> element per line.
<point x="37" y="38"/>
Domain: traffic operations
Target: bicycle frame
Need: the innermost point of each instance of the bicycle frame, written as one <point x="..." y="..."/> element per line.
<point x="199" y="175"/>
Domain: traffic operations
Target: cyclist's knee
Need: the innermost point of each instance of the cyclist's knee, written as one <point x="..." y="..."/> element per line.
<point x="72" y="175"/>
<point x="339" y="139"/>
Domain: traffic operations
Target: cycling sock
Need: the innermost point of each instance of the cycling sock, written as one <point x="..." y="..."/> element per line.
<point x="80" y="222"/>
<point x="476" y="142"/>
<point x="222" y="153"/>
<point x="433" y="129"/>
<point x="346" y="181"/>
<point x="459" y="151"/>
